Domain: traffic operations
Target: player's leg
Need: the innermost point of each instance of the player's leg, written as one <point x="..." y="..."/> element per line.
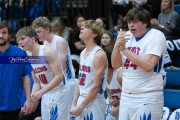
<point x="84" y="112"/>
<point x="124" y="109"/>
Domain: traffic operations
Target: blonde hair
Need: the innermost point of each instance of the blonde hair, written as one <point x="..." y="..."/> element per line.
<point x="112" y="40"/>
<point x="42" y="22"/>
<point x="170" y="13"/>
<point x="59" y="24"/>
<point x="96" y="28"/>
<point x="27" y="31"/>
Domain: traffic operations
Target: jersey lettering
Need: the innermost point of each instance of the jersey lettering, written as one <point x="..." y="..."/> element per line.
<point x="113" y="91"/>
<point x="42" y="78"/>
<point x="40" y="69"/>
<point x="84" y="68"/>
<point x="128" y="62"/>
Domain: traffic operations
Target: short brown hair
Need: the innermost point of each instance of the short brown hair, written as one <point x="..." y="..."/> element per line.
<point x="42" y="22"/>
<point x="5" y="24"/>
<point x="27" y="31"/>
<point x="139" y="14"/>
<point x="96" y="28"/>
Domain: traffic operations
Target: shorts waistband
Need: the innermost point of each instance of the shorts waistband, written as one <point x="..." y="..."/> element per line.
<point x="97" y="96"/>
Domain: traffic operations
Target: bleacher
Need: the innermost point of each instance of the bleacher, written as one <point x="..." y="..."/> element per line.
<point x="172" y="89"/>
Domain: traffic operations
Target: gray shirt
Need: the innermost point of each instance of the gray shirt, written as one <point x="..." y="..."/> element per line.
<point x="173" y="20"/>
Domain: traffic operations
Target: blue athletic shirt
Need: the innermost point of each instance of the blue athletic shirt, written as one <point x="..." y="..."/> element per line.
<point x="11" y="86"/>
<point x="23" y="99"/>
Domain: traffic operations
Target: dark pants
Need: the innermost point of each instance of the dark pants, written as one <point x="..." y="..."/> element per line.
<point x="31" y="116"/>
<point x="9" y="115"/>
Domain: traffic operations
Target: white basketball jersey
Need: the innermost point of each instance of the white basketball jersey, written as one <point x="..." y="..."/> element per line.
<point x="114" y="87"/>
<point x="86" y="74"/>
<point x="43" y="72"/>
<point x="135" y="79"/>
<point x="69" y="69"/>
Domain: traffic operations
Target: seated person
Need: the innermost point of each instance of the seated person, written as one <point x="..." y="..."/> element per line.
<point x="167" y="15"/>
<point x="76" y="67"/>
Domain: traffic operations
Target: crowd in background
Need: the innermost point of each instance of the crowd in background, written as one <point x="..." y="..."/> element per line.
<point x="163" y="18"/>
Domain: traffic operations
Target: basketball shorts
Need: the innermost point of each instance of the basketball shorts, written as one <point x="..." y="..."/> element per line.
<point x="54" y="105"/>
<point x="95" y="110"/>
<point x="144" y="106"/>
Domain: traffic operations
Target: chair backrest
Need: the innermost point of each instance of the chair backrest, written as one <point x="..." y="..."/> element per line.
<point x="175" y="115"/>
<point x="173" y="76"/>
<point x="177" y="9"/>
<point x="166" y="113"/>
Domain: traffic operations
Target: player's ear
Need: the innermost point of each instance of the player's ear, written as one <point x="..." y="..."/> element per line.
<point x="33" y="39"/>
<point x="48" y="29"/>
<point x="95" y="35"/>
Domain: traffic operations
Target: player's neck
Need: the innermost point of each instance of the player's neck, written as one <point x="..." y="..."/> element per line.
<point x="4" y="48"/>
<point x="50" y="37"/>
<point x="90" y="45"/>
<point x="35" y="49"/>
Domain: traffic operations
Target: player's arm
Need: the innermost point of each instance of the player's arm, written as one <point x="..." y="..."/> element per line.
<point x="116" y="58"/>
<point x="79" y="45"/>
<point x="76" y="95"/>
<point x="36" y="86"/>
<point x="119" y="77"/>
<point x="55" y="66"/>
<point x="62" y="46"/>
<point x="146" y="63"/>
<point x="27" y="91"/>
<point x="100" y="63"/>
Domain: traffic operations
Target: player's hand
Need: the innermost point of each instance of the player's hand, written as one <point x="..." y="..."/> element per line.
<point x="36" y="96"/>
<point x="27" y="107"/>
<point x="121" y="38"/>
<point x="76" y="111"/>
<point x="114" y="111"/>
<point x="114" y="101"/>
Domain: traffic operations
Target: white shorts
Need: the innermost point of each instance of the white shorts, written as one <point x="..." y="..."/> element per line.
<point x="144" y="106"/>
<point x="95" y="110"/>
<point x="54" y="105"/>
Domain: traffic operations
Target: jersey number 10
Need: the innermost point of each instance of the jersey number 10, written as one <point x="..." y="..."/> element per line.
<point x="43" y="79"/>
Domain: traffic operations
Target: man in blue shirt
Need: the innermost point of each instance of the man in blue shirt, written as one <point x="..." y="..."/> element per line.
<point x="13" y="78"/>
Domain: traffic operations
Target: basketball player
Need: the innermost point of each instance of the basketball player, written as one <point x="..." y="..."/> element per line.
<point x="44" y="31"/>
<point x="49" y="83"/>
<point x="13" y="78"/>
<point x="140" y="52"/>
<point x="89" y="102"/>
<point x="114" y="89"/>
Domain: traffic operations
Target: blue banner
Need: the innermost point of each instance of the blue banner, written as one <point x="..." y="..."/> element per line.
<point x="23" y="59"/>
